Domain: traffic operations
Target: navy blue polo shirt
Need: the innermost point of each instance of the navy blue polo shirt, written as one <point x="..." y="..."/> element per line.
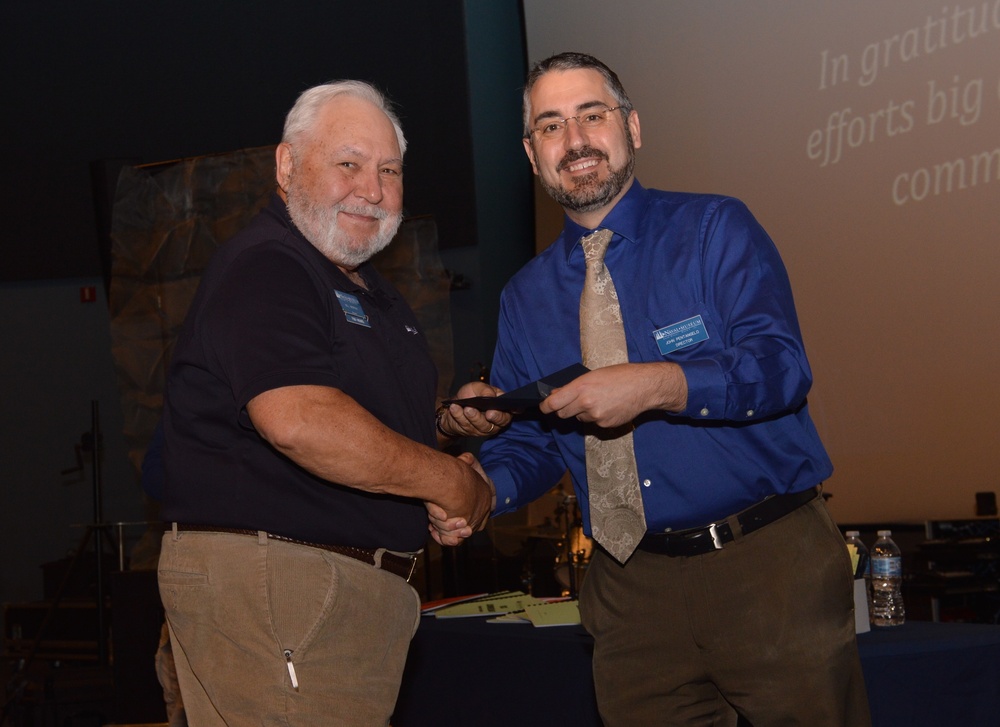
<point x="267" y="315"/>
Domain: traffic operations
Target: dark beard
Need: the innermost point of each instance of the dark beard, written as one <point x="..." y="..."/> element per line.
<point x="589" y="193"/>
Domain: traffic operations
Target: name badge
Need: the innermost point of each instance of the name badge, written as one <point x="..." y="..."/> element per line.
<point x="352" y="309"/>
<point x="679" y="335"/>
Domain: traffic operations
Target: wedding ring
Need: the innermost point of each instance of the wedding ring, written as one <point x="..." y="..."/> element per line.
<point x="492" y="427"/>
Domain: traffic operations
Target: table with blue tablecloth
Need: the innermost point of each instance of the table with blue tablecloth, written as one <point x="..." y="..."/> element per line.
<point x="940" y="674"/>
<point x="470" y="673"/>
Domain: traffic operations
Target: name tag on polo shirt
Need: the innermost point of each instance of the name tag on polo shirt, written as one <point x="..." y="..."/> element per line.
<point x="679" y="335"/>
<point x="352" y="309"/>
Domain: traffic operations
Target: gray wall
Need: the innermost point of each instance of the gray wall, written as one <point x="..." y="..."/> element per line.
<point x="856" y="147"/>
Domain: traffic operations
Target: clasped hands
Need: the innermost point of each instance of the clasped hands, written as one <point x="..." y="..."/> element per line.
<point x="472" y="505"/>
<point x="608" y="397"/>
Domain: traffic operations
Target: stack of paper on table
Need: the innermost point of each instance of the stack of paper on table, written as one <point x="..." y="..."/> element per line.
<point x="492" y="604"/>
<point x="509" y="607"/>
<point x="563" y="612"/>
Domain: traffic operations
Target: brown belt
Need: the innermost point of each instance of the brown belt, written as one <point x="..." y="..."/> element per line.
<point x="400" y="565"/>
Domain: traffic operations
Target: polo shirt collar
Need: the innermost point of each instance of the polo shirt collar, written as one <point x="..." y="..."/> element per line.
<point x="277" y="207"/>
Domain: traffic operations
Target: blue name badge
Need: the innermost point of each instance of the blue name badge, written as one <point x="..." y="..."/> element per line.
<point x="352" y="309"/>
<point x="686" y="333"/>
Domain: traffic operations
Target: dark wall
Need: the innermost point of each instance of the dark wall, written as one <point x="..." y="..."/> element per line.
<point x="154" y="81"/>
<point x="159" y="80"/>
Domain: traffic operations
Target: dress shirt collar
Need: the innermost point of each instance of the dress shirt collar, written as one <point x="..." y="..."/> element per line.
<point x="623" y="220"/>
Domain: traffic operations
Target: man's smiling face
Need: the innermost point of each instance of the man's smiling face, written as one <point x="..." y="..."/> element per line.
<point x="585" y="170"/>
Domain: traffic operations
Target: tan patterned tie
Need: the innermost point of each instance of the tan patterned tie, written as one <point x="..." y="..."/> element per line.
<point x="617" y="518"/>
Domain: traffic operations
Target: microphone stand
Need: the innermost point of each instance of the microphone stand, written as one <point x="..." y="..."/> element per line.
<point x="96" y="530"/>
<point x="100" y="532"/>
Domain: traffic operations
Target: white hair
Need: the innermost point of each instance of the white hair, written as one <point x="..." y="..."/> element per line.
<point x="303" y="114"/>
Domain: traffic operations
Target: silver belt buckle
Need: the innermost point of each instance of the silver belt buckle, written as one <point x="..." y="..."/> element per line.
<point x="716" y="540"/>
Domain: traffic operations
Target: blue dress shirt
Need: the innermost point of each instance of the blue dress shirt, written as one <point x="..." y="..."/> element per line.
<point x="746" y="432"/>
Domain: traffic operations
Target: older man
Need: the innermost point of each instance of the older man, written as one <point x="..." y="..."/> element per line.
<point x="300" y="443"/>
<point x="720" y="579"/>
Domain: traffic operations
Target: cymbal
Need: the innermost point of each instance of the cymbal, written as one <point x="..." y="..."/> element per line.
<point x="532" y="531"/>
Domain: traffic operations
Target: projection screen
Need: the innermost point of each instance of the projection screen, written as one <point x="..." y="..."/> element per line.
<point x="865" y="136"/>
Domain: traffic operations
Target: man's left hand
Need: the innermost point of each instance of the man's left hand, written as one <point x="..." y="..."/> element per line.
<point x="615" y="395"/>
<point x="459" y="421"/>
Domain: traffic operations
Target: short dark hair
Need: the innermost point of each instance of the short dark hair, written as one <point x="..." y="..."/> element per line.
<point x="566" y="62"/>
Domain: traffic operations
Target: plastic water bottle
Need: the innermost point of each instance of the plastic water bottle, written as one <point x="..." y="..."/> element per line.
<point x="853" y="537"/>
<point x="887" y="582"/>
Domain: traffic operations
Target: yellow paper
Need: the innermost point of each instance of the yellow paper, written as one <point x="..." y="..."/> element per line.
<point x="488" y="606"/>
<point x="514" y="617"/>
<point x="855" y="555"/>
<point x="558" y="613"/>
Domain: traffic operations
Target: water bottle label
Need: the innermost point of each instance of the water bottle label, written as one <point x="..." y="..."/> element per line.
<point x="887" y="567"/>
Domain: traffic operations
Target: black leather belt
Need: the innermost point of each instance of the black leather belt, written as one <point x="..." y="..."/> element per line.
<point x="697" y="541"/>
<point x="400" y="565"/>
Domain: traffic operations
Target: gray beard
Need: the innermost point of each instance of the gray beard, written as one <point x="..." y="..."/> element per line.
<point x="318" y="224"/>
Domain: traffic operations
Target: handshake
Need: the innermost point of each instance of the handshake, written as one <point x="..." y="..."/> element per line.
<point x="464" y="504"/>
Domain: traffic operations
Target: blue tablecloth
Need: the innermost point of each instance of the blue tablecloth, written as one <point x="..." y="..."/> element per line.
<point x="940" y="675"/>
<point x="469" y="673"/>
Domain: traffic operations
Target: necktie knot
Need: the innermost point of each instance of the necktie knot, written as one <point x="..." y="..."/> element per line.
<point x="595" y="245"/>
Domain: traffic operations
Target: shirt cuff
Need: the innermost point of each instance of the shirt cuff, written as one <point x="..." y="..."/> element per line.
<point x="506" y="492"/>
<point x="706" y="390"/>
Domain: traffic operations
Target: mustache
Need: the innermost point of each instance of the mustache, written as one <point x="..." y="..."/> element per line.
<point x="574" y="155"/>
<point x="367" y="210"/>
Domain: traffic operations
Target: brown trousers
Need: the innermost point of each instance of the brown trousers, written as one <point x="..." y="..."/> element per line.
<point x="764" y="627"/>
<point x="246" y="612"/>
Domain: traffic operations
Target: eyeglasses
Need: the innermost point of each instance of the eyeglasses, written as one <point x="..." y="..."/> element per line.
<point x="592" y="119"/>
